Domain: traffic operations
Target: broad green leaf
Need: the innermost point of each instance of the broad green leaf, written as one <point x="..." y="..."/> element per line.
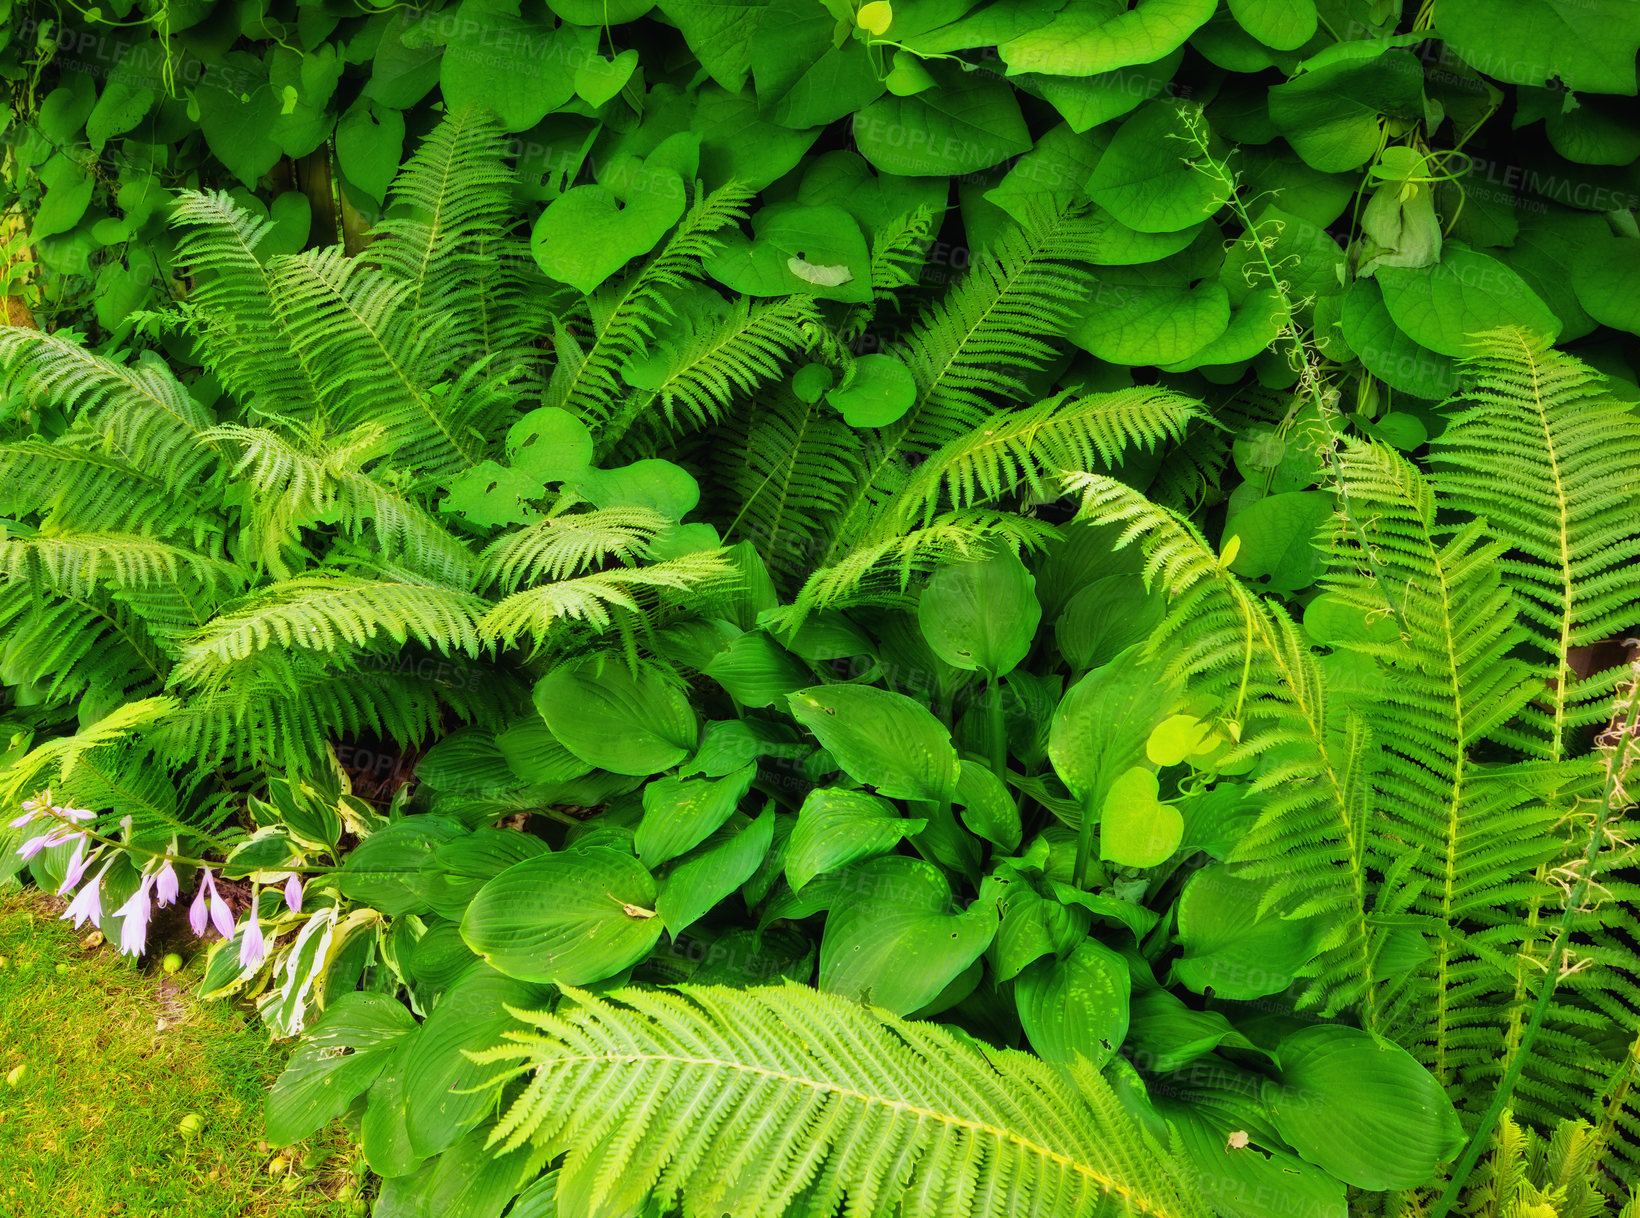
<point x="883" y="739"/>
<point x="1254" y="1180"/>
<point x="1232" y="950"/>
<point x="1136" y="323"/>
<point x="873" y="199"/>
<point x="383" y="1134"/>
<point x="1105" y="618"/>
<point x="653" y="483"/>
<point x="836" y="827"/>
<point x="1467" y="294"/>
<point x="876" y="390"/>
<point x="968" y="123"/>
<point x="720" y="33"/>
<point x="1278" y="539"/>
<point x="463" y="865"/>
<point x="1176" y="738"/>
<point x="534" y="754"/>
<point x="586" y="234"/>
<point x="598" y="79"/>
<point x="1098" y="37"/>
<point x="1387" y="353"/>
<point x="708" y="874"/>
<point x="988" y="807"/>
<point x="406" y="63"/>
<point x="1051" y="173"/>
<point x="550" y="445"/>
<point x="1589" y="44"/>
<point x="490" y="494"/>
<point x="1592" y="132"/>
<point x="1136" y="829"/>
<point x="336" y="1061"/>
<point x="757" y="671"/>
<point x="1604" y="277"/>
<point x="1361" y="1109"/>
<point x="981" y="615"/>
<point x="1087" y="101"/>
<point x="443" y="1096"/>
<point x="1033" y="927"/>
<point x="1152" y="192"/>
<point x="369" y="145"/>
<point x="1165" y="1034"/>
<point x="514" y="67"/>
<point x="1331" y="113"/>
<point x="739" y="145"/>
<point x="1101" y="725"/>
<point x="789" y="237"/>
<point x="237" y="114"/>
<point x="1548" y="247"/>
<point x="804" y="79"/>
<point x="896" y="940"/>
<point x="1075" y="1009"/>
<point x="1285" y="25"/>
<point x="385" y="870"/>
<point x="467" y="1181"/>
<point x="467" y="761"/>
<point x="680" y="813"/>
<point x="1333" y="621"/>
<point x="568" y="918"/>
<point x="616" y="721"/>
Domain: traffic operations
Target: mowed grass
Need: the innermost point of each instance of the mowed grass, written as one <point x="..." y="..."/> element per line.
<point x="101" y="1060"/>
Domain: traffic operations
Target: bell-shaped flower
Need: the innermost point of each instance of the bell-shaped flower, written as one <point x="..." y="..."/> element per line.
<point x="293" y="893"/>
<point x="220" y="915"/>
<point x="54" y="836"/>
<point x="165" y="884"/>
<point x="87" y="903"/>
<point x="253" y="946"/>
<point x="135" y="913"/>
<point x="78" y="863"/>
<point x="31" y="809"/>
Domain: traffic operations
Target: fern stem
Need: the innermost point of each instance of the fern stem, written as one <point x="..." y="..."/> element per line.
<point x="1623" y="737"/>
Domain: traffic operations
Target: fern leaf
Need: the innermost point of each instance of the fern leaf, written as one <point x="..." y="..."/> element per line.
<point x="596" y="599"/>
<point x="320" y="612"/>
<point x="755" y="1101"/>
<point x="561" y="546"/>
<point x="1547" y="457"/>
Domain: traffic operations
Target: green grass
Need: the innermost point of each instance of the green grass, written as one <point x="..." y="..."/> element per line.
<point x="100" y="1061"/>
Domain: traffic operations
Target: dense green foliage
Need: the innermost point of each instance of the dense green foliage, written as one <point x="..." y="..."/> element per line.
<point x="1001" y="609"/>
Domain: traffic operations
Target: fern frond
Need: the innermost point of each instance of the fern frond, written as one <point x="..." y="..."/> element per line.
<point x="142" y="413"/>
<point x="561" y="546"/>
<point x="702" y="366"/>
<point x="77" y="647"/>
<point x="71" y="485"/>
<point x="299" y="485"/>
<point x="1035" y="447"/>
<point x="1540" y="450"/>
<point x="243" y="334"/>
<point x="79" y="562"/>
<point x="762" y="1100"/>
<point x="320" y="612"/>
<point x="447" y="234"/>
<point x="790" y="468"/>
<point x="536" y="613"/>
<point x="970" y="350"/>
<point x="380" y="361"/>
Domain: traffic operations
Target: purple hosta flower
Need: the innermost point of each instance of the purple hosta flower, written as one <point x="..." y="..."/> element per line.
<point x="31" y="809"/>
<point x="165" y="884"/>
<point x="78" y="864"/>
<point x="253" y="946"/>
<point x="87" y="903"/>
<point x="221" y="915"/>
<point x="293" y="893"/>
<point x="135" y="912"/>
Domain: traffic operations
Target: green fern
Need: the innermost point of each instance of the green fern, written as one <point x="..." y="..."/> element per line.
<point x="1538" y="449"/>
<point x="769" y="1101"/>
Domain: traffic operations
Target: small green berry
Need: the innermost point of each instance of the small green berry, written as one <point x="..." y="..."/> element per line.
<point x="172" y="963"/>
<point x="190" y="1124"/>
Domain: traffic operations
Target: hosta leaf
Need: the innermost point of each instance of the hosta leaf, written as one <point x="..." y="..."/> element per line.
<point x="836" y="826"/>
<point x="883" y="739"/>
<point x="339" y="1058"/>
<point x="895" y="940"/>
<point x="1230" y="948"/>
<point x="1136" y="829"/>
<point x="680" y="813"/>
<point x="713" y="870"/>
<point x="1101" y="725"/>
<point x="981" y="615"/>
<point x="569" y="918"/>
<point x="1361" y="1109"/>
<point x="616" y="721"/>
<point x="1075" y="1008"/>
